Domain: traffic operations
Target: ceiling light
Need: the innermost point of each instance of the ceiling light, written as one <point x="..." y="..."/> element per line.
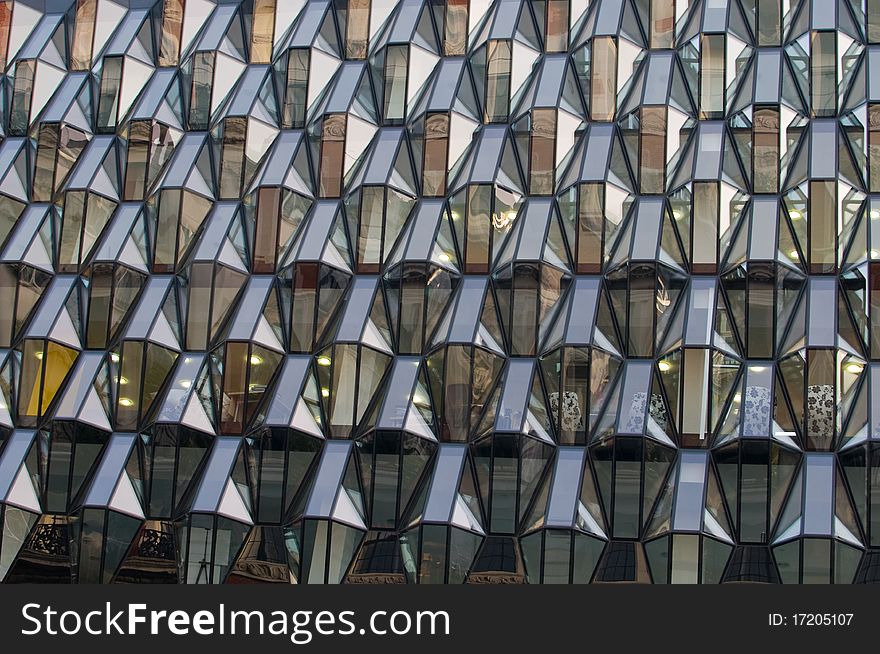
<point x="737" y="398"/>
<point x="325" y="392"/>
<point x="256" y="359"/>
<point x="854" y="367"/>
<point x="794" y="214"/>
<point x="794" y="254"/>
<point x="185" y="383"/>
<point x="114" y="357"/>
<point x="324" y="361"/>
<point x="664" y="366"/>
<point x="124" y="401"/>
<point x="39" y="354"/>
<point x="123" y="380"/>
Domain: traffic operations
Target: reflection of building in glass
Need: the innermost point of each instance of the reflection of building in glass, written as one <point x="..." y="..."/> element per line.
<point x="438" y="291"/>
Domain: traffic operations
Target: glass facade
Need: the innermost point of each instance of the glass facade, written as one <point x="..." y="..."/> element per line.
<point x="438" y="291"/>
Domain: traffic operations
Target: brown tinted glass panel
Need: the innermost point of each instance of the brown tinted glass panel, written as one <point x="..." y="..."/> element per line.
<point x="165" y="254"/>
<point x="71" y="230"/>
<point x="130" y="375"/>
<point x="822" y="217"/>
<point x="100" y="304"/>
<point x="478" y="229"/>
<point x="266" y="232"/>
<point x="136" y="166"/>
<point x="172" y="30"/>
<point x="642" y="300"/>
<point x="712" y="76"/>
<point x="436" y="143"/>
<point x="83" y="34"/>
<point x="5" y="22"/>
<point x="765" y="158"/>
<point x="232" y="164"/>
<point x="653" y="149"/>
<point x="662" y="23"/>
<point x="332" y="153"/>
<point x="305" y="293"/>
<point x="199" y="308"/>
<point x="874" y="147"/>
<point x="603" y="78"/>
<point x="556" y="28"/>
<point x="357" y="29"/>
<point x="704" y="242"/>
<point x="591" y="216"/>
<point x="543" y="140"/>
<point x="263" y="31"/>
<point x="455" y="28"/>
<point x="234" y="379"/>
<point x="874" y="307"/>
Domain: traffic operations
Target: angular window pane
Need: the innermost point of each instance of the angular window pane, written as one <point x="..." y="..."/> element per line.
<point x="202" y="82"/>
<point x="22" y="91"/>
<point x="873" y="15"/>
<point x="44" y="175"/>
<point x="84" y="29"/>
<point x="591" y="218"/>
<point x="769" y="18"/>
<point x="653" y="149"/>
<point x="108" y="100"/>
<point x="704" y="243"/>
<point x="5" y="22"/>
<point x="266" y="230"/>
<point x="603" y="78"/>
<point x="396" y="58"/>
<point x="332" y="155"/>
<point x="436" y="144"/>
<point x="556" y="29"/>
<point x="295" y="100"/>
<point x="712" y="48"/>
<point x="455" y="28"/>
<point x="369" y="243"/>
<point x="172" y="31"/>
<point x="232" y="161"/>
<point x="765" y="155"/>
<point x="543" y="151"/>
<point x="478" y="229"/>
<point x="823" y="73"/>
<point x="139" y="137"/>
<point x="662" y="23"/>
<point x="263" y="31"/>
<point x="822" y="221"/>
<point x="497" y="81"/>
<point x="357" y="29"/>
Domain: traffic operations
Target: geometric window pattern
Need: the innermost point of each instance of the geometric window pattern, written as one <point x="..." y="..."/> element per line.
<point x="440" y="291"/>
